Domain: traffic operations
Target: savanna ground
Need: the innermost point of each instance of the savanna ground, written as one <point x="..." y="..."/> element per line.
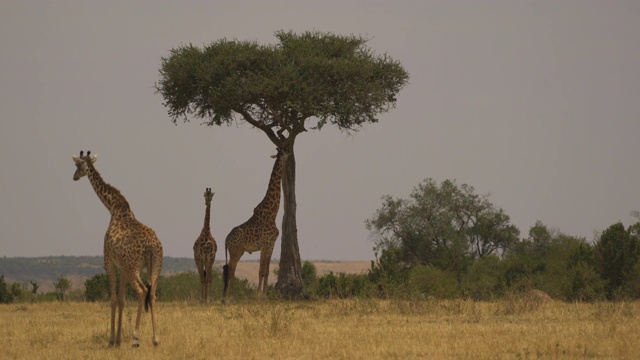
<point x="514" y="328"/>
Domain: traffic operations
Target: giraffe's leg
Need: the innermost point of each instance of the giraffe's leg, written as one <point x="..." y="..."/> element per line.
<point x="263" y="275"/>
<point x="113" y="300"/>
<point x="154" y="275"/>
<point x="208" y="281"/>
<point x="141" y="291"/>
<point x="121" y="295"/>
<point x="233" y="262"/>
<point x="201" y="273"/>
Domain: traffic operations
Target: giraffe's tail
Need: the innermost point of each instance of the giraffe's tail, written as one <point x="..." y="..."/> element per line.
<point x="225" y="272"/>
<point x="225" y="277"/>
<point x="147" y="299"/>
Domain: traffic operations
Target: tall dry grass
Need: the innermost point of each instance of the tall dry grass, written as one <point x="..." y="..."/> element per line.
<point x="515" y="328"/>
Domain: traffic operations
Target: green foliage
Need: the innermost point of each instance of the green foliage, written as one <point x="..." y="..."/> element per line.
<point x="586" y="283"/>
<point x="618" y="252"/>
<point x="62" y="286"/>
<point x="333" y="78"/>
<point x="432" y="281"/>
<point x="186" y="287"/>
<point x="309" y="274"/>
<point x="6" y="297"/>
<point x="563" y="266"/>
<point x="181" y="287"/>
<point x="485" y="279"/>
<point x="343" y="286"/>
<point x="632" y="285"/>
<point x="390" y="273"/>
<point x="445" y="225"/>
<point x="16" y="290"/>
<point x="97" y="288"/>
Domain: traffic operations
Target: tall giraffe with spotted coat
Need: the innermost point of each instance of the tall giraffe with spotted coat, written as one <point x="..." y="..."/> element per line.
<point x="259" y="233"/>
<point x="204" y="250"/>
<point x="129" y="246"/>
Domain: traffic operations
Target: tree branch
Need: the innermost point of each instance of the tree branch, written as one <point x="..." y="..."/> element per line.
<point x="266" y="128"/>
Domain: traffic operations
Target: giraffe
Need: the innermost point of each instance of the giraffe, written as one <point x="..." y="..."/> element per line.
<point x="204" y="249"/>
<point x="129" y="246"/>
<point x="259" y="233"/>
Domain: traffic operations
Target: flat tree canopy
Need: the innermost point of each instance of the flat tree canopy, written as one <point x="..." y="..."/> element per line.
<point x="303" y="82"/>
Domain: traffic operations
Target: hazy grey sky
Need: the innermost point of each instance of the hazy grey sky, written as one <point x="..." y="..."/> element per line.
<point x="536" y="102"/>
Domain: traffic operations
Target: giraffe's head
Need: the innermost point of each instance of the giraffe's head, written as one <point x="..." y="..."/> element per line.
<point x="81" y="164"/>
<point x="208" y="195"/>
<point x="282" y="154"/>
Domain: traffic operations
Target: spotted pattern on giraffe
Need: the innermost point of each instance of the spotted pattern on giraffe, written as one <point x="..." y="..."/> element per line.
<point x="129" y="247"/>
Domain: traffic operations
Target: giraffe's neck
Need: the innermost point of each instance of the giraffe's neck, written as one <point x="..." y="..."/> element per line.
<point x="269" y="206"/>
<point x="110" y="196"/>
<point x="207" y="216"/>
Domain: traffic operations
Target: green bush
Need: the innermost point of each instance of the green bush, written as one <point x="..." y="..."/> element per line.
<point x="618" y="252"/>
<point x="309" y="274"/>
<point x="97" y="288"/>
<point x="344" y="286"/>
<point x="431" y="281"/>
<point x="586" y="284"/>
<point x="6" y="297"/>
<point x="484" y="279"/>
<point x="186" y="287"/>
<point x="62" y="286"/>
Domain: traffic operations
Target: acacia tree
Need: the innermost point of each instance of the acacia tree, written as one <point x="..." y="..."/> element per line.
<point x="305" y="81"/>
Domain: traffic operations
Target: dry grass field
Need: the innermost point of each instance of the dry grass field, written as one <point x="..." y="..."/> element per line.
<point x="517" y="328"/>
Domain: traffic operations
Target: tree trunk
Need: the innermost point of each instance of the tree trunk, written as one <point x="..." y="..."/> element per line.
<point x="289" y="283"/>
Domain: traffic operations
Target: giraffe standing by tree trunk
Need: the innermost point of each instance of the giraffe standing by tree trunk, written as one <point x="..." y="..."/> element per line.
<point x="129" y="246"/>
<point x="259" y="233"/>
<point x="204" y="250"/>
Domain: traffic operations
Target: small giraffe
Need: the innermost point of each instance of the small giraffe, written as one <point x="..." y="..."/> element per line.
<point x="204" y="249"/>
<point x="129" y="246"/>
<point x="259" y="233"/>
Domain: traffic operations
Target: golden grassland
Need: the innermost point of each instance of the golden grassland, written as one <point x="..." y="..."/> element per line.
<point x="515" y="328"/>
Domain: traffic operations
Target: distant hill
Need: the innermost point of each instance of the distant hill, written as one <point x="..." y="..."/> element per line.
<point x="46" y="270"/>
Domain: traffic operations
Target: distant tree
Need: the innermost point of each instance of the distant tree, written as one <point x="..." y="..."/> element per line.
<point x="16" y="290"/>
<point x="305" y="81"/>
<point x="96" y="288"/>
<point x="563" y="266"/>
<point x="6" y="296"/>
<point x="34" y="287"/>
<point x="432" y="281"/>
<point x="571" y="270"/>
<point x="309" y="273"/>
<point x="484" y="279"/>
<point x="445" y="225"/>
<point x="62" y="286"/>
<point x="541" y="238"/>
<point x="618" y="252"/>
